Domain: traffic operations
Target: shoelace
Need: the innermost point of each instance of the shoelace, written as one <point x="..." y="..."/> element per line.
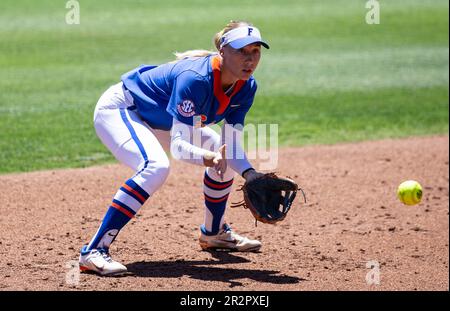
<point x="105" y="254"/>
<point x="232" y="235"/>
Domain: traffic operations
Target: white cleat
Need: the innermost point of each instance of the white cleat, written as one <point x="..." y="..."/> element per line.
<point x="228" y="240"/>
<point x="100" y="262"/>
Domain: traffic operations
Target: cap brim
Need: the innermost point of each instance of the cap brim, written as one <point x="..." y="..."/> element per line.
<point x="240" y="43"/>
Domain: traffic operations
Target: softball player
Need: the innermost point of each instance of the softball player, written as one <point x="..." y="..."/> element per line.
<point x="166" y="108"/>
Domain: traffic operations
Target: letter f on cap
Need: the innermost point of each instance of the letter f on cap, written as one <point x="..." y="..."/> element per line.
<point x="242" y="36"/>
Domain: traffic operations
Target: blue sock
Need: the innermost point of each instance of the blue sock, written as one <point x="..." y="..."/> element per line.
<point x="216" y="196"/>
<point x="127" y="201"/>
<point x="113" y="221"/>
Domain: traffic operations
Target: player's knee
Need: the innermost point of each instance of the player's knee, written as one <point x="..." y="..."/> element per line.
<point x="159" y="170"/>
<point x="163" y="170"/>
<point x="154" y="175"/>
<point x="228" y="175"/>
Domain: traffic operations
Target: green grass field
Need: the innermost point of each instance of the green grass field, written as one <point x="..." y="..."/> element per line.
<point x="328" y="77"/>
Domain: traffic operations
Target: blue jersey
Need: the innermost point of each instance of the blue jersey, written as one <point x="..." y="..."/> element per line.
<point x="188" y="90"/>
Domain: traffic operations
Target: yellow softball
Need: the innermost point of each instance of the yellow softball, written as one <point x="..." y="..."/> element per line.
<point x="410" y="192"/>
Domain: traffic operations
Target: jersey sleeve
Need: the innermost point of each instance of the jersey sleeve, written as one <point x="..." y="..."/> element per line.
<point x="237" y="116"/>
<point x="189" y="94"/>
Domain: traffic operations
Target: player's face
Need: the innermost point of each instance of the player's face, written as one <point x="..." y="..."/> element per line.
<point x="241" y="63"/>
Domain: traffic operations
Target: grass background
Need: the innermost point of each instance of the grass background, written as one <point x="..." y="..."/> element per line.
<point x="329" y="77"/>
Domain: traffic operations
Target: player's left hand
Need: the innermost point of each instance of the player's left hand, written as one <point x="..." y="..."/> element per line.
<point x="268" y="197"/>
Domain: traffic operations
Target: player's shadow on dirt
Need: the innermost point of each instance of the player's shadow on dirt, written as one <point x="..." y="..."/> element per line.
<point x="196" y="269"/>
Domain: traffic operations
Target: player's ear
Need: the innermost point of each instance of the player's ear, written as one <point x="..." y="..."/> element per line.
<point x="221" y="51"/>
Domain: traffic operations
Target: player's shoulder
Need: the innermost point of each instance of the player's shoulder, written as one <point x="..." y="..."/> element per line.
<point x="192" y="81"/>
<point x="192" y="73"/>
<point x="195" y="68"/>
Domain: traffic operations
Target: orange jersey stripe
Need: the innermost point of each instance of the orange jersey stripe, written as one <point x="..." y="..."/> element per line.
<point x="223" y="99"/>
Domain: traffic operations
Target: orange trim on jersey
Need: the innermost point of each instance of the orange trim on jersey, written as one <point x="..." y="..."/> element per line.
<point x="121" y="209"/>
<point x="214" y="186"/>
<point x="216" y="200"/>
<point x="223" y="99"/>
<point x="141" y="198"/>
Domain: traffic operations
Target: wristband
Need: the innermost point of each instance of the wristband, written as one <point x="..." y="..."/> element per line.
<point x="243" y="173"/>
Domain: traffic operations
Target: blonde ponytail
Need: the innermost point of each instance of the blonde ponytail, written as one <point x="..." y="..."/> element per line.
<point x="192" y="53"/>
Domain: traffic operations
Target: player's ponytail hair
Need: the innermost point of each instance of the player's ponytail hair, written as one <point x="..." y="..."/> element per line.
<point x="192" y="53"/>
<point x="217" y="38"/>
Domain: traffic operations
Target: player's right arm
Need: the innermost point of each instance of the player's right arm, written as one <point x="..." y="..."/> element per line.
<point x="182" y="148"/>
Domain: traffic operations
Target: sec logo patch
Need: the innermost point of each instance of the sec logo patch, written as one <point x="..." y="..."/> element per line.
<point x="186" y="108"/>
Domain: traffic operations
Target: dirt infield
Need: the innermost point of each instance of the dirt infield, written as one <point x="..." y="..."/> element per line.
<point x="352" y="226"/>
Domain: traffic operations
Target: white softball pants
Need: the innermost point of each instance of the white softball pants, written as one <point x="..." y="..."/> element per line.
<point x="136" y="144"/>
